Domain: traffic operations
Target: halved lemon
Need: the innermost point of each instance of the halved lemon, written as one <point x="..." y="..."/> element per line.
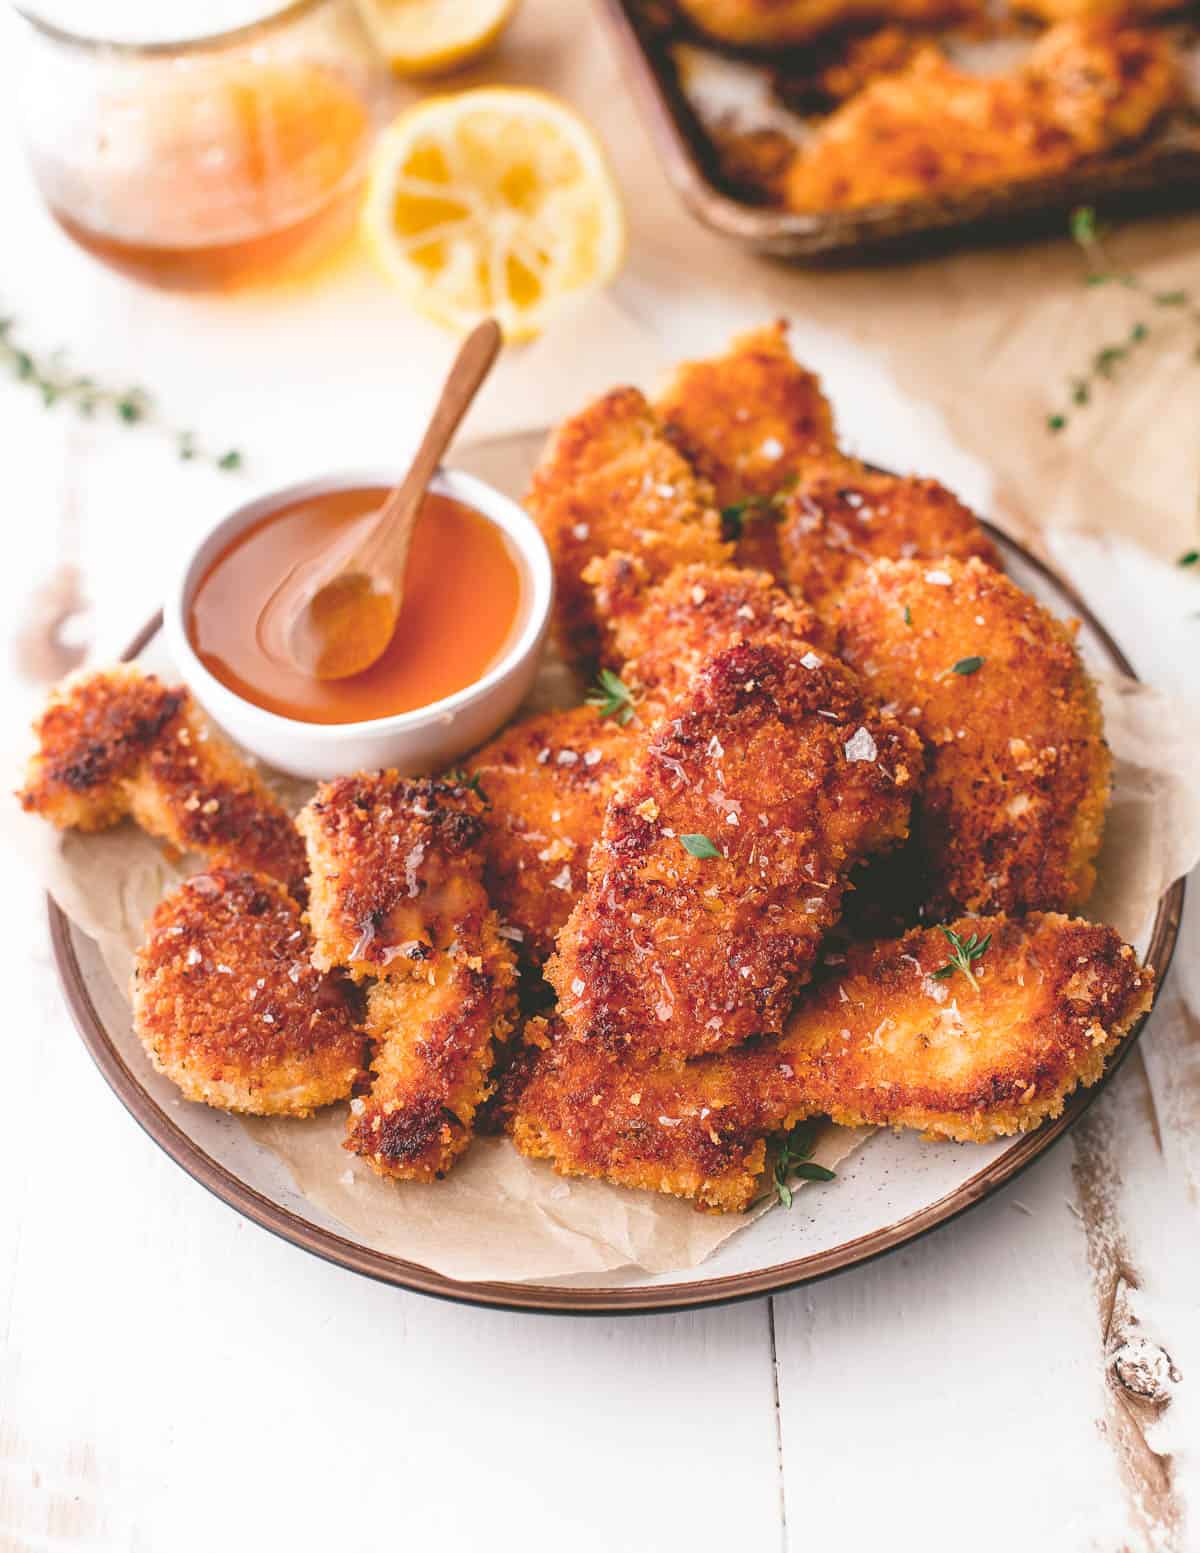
<point x="426" y="37"/>
<point x="497" y="201"/>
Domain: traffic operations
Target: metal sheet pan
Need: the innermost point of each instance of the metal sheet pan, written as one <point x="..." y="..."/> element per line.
<point x="1160" y="172"/>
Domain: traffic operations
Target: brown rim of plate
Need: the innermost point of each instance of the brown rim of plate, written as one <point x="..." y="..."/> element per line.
<point x="548" y="1298"/>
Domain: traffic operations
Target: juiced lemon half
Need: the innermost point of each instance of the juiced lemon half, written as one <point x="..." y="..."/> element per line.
<point x="496" y="201"/>
<point x="427" y="37"/>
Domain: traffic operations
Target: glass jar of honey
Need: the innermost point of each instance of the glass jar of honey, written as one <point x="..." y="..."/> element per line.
<point x="206" y="158"/>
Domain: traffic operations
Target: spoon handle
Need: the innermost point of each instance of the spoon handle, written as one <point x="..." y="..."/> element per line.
<point x="390" y="538"/>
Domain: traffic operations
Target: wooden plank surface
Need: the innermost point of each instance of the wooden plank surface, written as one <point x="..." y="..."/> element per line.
<point x="173" y="1379"/>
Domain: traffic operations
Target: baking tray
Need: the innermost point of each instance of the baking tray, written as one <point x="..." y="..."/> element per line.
<point x="1160" y="172"/>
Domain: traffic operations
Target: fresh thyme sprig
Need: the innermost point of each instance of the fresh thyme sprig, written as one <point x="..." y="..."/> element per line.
<point x="52" y="378"/>
<point x="612" y="697"/>
<point x="458" y="775"/>
<point x="1108" y="359"/>
<point x="735" y="517"/>
<point x="795" y="1159"/>
<point x="963" y="953"/>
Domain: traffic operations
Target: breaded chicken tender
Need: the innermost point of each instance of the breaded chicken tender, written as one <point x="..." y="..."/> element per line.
<point x="547" y="781"/>
<point x="1017" y="770"/>
<point x="1051" y="998"/>
<point x="548" y="778"/>
<point x="725" y="852"/>
<point x="887" y="1040"/>
<point x="698" y="1131"/>
<point x="1101" y="82"/>
<point x="772" y="24"/>
<point x="933" y="128"/>
<point x="1084" y="10"/>
<point x="663" y="634"/>
<point x="437" y="1035"/>
<point x="117" y="742"/>
<point x="229" y="1006"/>
<point x="397" y="900"/>
<point x="610" y="480"/>
<point x="841" y="516"/>
<point x="747" y="420"/>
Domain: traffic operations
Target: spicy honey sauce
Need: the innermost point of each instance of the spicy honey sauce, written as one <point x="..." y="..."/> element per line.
<point x="462" y="605"/>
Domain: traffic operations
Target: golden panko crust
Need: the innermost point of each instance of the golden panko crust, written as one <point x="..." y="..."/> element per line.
<point x="933" y="128"/>
<point x="116" y="742"/>
<point x="662" y="635"/>
<point x="1017" y="775"/>
<point x="882" y="1040"/>
<point x="396" y="898"/>
<point x="1084" y="10"/>
<point x="773" y="758"/>
<point x="394" y="863"/>
<point x="748" y="420"/>
<point x="435" y="1034"/>
<point x="841" y="516"/>
<point x="774" y="24"/>
<point x="547" y="780"/>
<point x="610" y="480"/>
<point x="229" y="1006"/>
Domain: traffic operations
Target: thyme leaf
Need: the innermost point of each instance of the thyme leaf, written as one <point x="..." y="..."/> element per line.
<point x="53" y="380"/>
<point x="612" y="697"/>
<point x="1106" y="363"/>
<point x="963" y="954"/>
<point x="458" y="776"/>
<point x="795" y="1159"/>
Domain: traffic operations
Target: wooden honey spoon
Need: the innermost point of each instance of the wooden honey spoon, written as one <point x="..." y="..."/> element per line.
<point x="335" y="614"/>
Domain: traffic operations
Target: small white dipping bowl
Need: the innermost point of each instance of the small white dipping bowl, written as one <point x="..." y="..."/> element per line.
<point x="423" y="740"/>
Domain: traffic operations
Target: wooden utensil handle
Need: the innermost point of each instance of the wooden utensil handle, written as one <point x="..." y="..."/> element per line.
<point x="398" y="514"/>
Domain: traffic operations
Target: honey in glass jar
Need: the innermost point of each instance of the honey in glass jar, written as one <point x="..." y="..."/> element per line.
<point x="203" y="160"/>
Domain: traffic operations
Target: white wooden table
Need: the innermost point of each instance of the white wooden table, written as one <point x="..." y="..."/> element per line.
<point x="173" y="1379"/>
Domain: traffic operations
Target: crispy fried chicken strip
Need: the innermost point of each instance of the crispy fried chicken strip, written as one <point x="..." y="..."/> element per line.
<point x="840" y="516"/>
<point x="773" y="24"/>
<point x="397" y="900"/>
<point x="1081" y="10"/>
<point x="934" y="128"/>
<point x="548" y="778"/>
<point x="116" y="742"/>
<point x="1012" y="810"/>
<point x="749" y="419"/>
<point x="229" y="1006"/>
<point x="610" y="480"/>
<point x="663" y="634"/>
<point x="775" y="764"/>
<point x="885" y="1041"/>
<point x="547" y="781"/>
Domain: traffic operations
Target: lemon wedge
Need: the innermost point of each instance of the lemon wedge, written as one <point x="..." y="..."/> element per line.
<point x="494" y="202"/>
<point x="428" y="37"/>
